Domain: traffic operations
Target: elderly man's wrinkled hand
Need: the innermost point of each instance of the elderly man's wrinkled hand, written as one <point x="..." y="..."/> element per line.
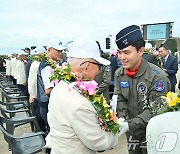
<point x="124" y="126"/>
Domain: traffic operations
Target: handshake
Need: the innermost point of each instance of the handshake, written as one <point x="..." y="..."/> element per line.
<point x="124" y="126"/>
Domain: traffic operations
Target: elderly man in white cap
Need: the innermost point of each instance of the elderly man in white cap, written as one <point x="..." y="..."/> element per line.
<point x="32" y="79"/>
<point x="8" y="67"/>
<point x="32" y="84"/>
<point x="20" y="75"/>
<point x="13" y="63"/>
<point x="150" y="57"/>
<point x="44" y="86"/>
<point x="74" y="126"/>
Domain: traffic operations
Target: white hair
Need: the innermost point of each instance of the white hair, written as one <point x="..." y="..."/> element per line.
<point x="75" y="62"/>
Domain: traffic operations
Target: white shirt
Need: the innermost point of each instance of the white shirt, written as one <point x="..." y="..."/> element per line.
<point x="46" y="73"/>
<point x="32" y="79"/>
<point x="165" y="58"/>
<point x="8" y="67"/>
<point x="13" y="67"/>
<point x="20" y="72"/>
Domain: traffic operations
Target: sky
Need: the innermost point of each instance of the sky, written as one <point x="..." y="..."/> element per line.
<point x="26" y="23"/>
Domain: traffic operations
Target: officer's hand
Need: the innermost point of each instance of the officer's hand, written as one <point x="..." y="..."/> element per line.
<point x="124" y="126"/>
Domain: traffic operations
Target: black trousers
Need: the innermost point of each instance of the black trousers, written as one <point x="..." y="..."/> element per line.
<point x="36" y="112"/>
<point x="41" y="111"/>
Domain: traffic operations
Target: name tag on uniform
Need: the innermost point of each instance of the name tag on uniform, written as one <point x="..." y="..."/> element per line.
<point x="124" y="84"/>
<point x="156" y="72"/>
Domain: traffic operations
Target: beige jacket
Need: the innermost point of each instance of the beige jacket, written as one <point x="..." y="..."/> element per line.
<point x="20" y="74"/>
<point x="8" y="67"/>
<point x="13" y="67"/>
<point x="74" y="128"/>
<point x="32" y="79"/>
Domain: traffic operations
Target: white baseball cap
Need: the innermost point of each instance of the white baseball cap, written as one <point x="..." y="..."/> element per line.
<point x="38" y="50"/>
<point x="56" y="44"/>
<point x="20" y="52"/>
<point x="148" y="46"/>
<point x="86" y="48"/>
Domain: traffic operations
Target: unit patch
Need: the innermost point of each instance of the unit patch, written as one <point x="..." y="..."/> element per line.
<point x="159" y="86"/>
<point x="108" y="69"/>
<point x="141" y="88"/>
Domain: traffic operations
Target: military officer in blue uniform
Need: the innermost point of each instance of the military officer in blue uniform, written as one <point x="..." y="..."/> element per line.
<point x="139" y="86"/>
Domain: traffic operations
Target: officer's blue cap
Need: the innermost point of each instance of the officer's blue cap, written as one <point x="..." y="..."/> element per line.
<point x="128" y="36"/>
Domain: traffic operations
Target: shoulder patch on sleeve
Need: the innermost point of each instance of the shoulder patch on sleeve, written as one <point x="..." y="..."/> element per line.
<point x="159" y="86"/>
<point x="107" y="68"/>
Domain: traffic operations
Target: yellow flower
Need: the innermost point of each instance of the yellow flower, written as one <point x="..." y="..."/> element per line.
<point x="170" y="94"/>
<point x="172" y="103"/>
<point x="67" y="77"/>
<point x="97" y="99"/>
<point x="105" y="104"/>
<point x="107" y="116"/>
<point x="111" y="115"/>
<point x="178" y="101"/>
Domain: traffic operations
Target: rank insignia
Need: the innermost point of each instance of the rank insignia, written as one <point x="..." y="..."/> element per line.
<point x="125" y="41"/>
<point x="141" y="88"/>
<point x="159" y="86"/>
<point x="124" y="84"/>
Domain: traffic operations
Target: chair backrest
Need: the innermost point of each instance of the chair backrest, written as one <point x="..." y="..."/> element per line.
<point x="4" y="112"/>
<point x="7" y="136"/>
<point x="9" y="111"/>
<point x="25" y="143"/>
<point x="12" y="95"/>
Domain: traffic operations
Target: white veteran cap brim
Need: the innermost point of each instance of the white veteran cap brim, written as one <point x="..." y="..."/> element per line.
<point x="56" y="44"/>
<point x="38" y="50"/>
<point x="128" y="36"/>
<point x="86" y="48"/>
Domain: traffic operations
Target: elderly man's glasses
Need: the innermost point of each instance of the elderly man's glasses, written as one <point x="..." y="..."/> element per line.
<point x="100" y="65"/>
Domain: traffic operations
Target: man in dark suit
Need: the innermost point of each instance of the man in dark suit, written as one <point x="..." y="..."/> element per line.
<point x="170" y="65"/>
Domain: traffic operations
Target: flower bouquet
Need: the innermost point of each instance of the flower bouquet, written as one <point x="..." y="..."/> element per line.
<point x="171" y="102"/>
<point x="106" y="116"/>
<point x="39" y="57"/>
